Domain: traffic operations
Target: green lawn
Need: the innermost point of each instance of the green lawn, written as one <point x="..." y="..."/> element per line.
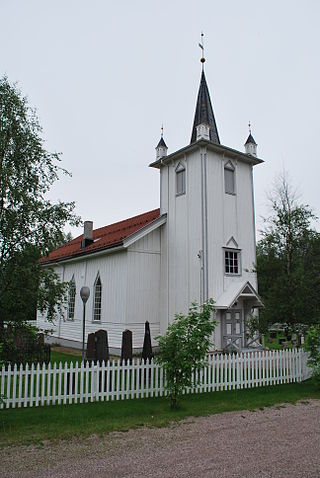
<point x="35" y="425"/>
<point x="58" y="356"/>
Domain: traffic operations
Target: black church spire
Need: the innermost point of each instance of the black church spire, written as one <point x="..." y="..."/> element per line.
<point x="204" y="113"/>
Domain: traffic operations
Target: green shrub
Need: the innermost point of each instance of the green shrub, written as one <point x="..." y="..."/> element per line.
<point x="21" y="343"/>
<point x="182" y="350"/>
<point x="313" y="346"/>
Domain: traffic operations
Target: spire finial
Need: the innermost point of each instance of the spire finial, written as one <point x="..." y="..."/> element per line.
<point x="201" y="45"/>
<point x="249" y="124"/>
<point x="162" y="130"/>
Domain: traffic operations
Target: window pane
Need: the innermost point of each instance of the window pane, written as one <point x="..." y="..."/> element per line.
<point x="229" y="181"/>
<point x="71" y="299"/>
<point x="231" y="260"/>
<point x="180" y="178"/>
<point x="97" y="300"/>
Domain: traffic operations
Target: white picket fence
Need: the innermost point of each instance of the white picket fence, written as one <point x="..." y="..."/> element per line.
<point x="81" y="383"/>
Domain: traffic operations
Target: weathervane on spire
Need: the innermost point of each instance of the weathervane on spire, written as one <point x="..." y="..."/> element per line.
<point x="162" y="131"/>
<point x="201" y="45"/>
<point x="249" y="124"/>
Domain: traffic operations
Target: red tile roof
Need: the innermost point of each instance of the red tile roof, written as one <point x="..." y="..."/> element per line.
<point x="104" y="237"/>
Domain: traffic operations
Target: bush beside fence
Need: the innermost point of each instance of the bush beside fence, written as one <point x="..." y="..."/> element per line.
<point x="36" y="385"/>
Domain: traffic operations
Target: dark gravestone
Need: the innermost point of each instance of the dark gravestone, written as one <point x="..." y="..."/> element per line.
<point x="91" y="348"/>
<point x="126" y="347"/>
<point x="147" y="348"/>
<point x="102" y="346"/>
<point x="273" y="335"/>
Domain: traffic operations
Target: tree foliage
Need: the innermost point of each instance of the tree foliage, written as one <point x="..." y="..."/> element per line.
<point x="30" y="224"/>
<point x="21" y="344"/>
<point x="183" y="348"/>
<point x="313" y="346"/>
<point x="288" y="261"/>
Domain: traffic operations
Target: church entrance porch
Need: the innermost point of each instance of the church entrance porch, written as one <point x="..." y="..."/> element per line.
<point x="234" y="308"/>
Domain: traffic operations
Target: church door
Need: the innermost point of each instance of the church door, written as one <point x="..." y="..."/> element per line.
<point x="232" y="330"/>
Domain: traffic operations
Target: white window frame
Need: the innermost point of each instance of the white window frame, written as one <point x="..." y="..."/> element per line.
<point x="97" y="299"/>
<point x="180" y="170"/>
<point x="71" y="299"/>
<point x="234" y="252"/>
<point x="229" y="168"/>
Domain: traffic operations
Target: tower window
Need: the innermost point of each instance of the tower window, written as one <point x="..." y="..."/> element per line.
<point x="97" y="299"/>
<point x="71" y="298"/>
<point x="229" y="182"/>
<point x="180" y="180"/>
<point x="232" y="262"/>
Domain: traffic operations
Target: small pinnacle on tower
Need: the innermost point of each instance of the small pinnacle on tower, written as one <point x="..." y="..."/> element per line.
<point x="250" y="145"/>
<point x="161" y="149"/>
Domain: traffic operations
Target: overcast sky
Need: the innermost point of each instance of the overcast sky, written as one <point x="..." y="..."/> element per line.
<point x="105" y="75"/>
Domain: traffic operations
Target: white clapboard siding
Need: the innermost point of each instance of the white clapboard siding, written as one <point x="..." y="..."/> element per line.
<point x="38" y="385"/>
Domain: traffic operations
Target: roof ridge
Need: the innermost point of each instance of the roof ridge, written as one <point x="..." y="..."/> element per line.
<point x="127" y="219"/>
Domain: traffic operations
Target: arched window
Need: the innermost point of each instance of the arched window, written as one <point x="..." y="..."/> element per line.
<point x="97" y="294"/>
<point x="229" y="182"/>
<point x="71" y="298"/>
<point x="180" y="179"/>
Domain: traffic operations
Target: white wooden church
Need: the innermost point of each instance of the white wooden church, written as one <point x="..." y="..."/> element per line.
<point x="199" y="244"/>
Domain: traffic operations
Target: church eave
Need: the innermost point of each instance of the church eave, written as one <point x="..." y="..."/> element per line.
<point x="81" y="254"/>
<point x="219" y="148"/>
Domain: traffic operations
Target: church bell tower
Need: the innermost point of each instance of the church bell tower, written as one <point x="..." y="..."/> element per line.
<point x="208" y="241"/>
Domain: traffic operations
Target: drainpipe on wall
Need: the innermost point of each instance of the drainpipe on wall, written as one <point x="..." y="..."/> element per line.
<point x="60" y="317"/>
<point x="204" y="223"/>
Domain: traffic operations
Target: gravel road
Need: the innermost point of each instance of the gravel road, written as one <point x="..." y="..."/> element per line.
<point x="276" y="442"/>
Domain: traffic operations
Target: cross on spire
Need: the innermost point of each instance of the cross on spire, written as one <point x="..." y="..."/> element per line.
<point x="201" y="45"/>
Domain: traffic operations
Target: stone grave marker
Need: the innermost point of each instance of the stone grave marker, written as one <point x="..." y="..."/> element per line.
<point x="91" y="348"/>
<point x="126" y="347"/>
<point x="102" y="345"/>
<point x="147" y="353"/>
